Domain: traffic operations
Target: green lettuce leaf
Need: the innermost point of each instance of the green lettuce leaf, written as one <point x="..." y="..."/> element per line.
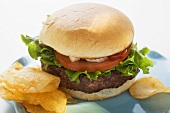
<point x="136" y="59"/>
<point x="129" y="67"/>
<point x="27" y="39"/>
<point x="74" y="75"/>
<point x="38" y="50"/>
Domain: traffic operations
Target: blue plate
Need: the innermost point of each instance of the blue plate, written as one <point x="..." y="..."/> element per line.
<point x="123" y="103"/>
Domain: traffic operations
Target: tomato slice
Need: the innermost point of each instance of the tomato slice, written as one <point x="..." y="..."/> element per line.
<point x="83" y="65"/>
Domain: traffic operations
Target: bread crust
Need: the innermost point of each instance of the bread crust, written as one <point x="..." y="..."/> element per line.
<point x="103" y="94"/>
<point x="87" y="30"/>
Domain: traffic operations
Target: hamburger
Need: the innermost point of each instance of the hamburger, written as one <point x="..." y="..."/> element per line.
<point x="90" y="47"/>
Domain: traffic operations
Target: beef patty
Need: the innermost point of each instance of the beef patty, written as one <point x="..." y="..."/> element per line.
<point x="86" y="85"/>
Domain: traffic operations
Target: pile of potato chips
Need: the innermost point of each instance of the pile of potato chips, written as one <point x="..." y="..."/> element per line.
<point x="146" y="87"/>
<point x="36" y="89"/>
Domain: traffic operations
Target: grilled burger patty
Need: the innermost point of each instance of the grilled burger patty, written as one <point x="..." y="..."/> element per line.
<point x="114" y="80"/>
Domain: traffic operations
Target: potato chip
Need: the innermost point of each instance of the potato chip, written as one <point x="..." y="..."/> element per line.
<point x="29" y="80"/>
<point x="33" y="86"/>
<point x="53" y="101"/>
<point x="146" y="87"/>
<point x="8" y="95"/>
<point x="50" y="101"/>
<point x="70" y="100"/>
<point x="16" y="66"/>
<point x="36" y="108"/>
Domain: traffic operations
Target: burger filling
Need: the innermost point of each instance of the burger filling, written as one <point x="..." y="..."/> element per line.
<point x="83" y="65"/>
<point x="74" y="59"/>
<point x="96" y="74"/>
<point x="114" y="80"/>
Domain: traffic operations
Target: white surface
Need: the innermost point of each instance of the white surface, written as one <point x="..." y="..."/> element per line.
<point x="151" y="19"/>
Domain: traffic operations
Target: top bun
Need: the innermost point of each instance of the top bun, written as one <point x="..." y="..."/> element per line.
<point x="87" y="30"/>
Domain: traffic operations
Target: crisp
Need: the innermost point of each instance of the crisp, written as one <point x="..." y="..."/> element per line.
<point x="36" y="108"/>
<point x="146" y="87"/>
<point x="29" y="79"/>
<point x="35" y="88"/>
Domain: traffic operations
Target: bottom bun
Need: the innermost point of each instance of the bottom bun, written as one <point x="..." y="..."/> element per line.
<point x="103" y="94"/>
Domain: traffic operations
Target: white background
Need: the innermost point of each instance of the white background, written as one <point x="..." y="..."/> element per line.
<point x="151" y="20"/>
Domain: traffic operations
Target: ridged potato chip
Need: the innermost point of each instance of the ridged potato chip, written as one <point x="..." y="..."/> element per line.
<point x="146" y="87"/>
